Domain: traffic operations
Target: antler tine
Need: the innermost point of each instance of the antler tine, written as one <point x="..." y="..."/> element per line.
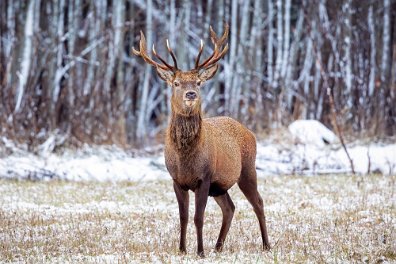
<point x="172" y="54"/>
<point x="215" y="39"/>
<point x="217" y="58"/>
<point x="225" y="35"/>
<point x="218" y="44"/>
<point x="209" y="58"/>
<point x="199" y="54"/>
<point x="161" y="59"/>
<point x="213" y="35"/>
<point x="143" y="53"/>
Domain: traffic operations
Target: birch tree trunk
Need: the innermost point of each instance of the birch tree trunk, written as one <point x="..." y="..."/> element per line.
<point x="292" y="59"/>
<point x="26" y="55"/>
<point x="172" y="39"/>
<point x="256" y="51"/>
<point x="74" y="16"/>
<point x="242" y="76"/>
<point x="373" y="51"/>
<point x="141" y="129"/>
<point x="209" y="4"/>
<point x="286" y="40"/>
<point x="119" y="118"/>
<point x="230" y="74"/>
<point x="385" y="59"/>
<point x="270" y="44"/>
<point x="183" y="51"/>
<point x="8" y="12"/>
<point x="59" y="58"/>
<point x="279" y="42"/>
<point x="386" y="104"/>
<point x="347" y="49"/>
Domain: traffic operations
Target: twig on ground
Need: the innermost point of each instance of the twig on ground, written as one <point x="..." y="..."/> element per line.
<point x="338" y="129"/>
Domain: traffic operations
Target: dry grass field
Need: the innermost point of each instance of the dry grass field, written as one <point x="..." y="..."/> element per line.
<point x="332" y="219"/>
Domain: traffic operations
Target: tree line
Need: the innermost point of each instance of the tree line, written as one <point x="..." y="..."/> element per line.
<point x="66" y="66"/>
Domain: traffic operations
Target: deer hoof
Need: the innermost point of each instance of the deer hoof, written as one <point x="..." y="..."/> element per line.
<point x="219" y="247"/>
<point x="201" y="254"/>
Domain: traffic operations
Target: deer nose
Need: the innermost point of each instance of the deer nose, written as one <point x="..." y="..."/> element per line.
<point x="191" y="95"/>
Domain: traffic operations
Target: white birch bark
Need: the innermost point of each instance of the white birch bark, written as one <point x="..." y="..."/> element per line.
<point x="119" y="20"/>
<point x="233" y="48"/>
<point x="26" y="55"/>
<point x="209" y="4"/>
<point x="94" y="26"/>
<point x="199" y="19"/>
<point x="255" y="42"/>
<point x="373" y="51"/>
<point x="172" y="39"/>
<point x="219" y="107"/>
<point x="385" y="60"/>
<point x="11" y="42"/>
<point x="185" y="61"/>
<point x="291" y="61"/>
<point x="59" y="53"/>
<point x="73" y="21"/>
<point x="220" y="12"/>
<point x="286" y="40"/>
<point x="347" y="49"/>
<point x="242" y="75"/>
<point x="10" y="30"/>
<point x="159" y="15"/>
<point x="270" y="44"/>
<point x="279" y="41"/>
<point x="172" y="22"/>
<point x="256" y="53"/>
<point x="306" y="72"/>
<point x="141" y="129"/>
<point x="117" y="10"/>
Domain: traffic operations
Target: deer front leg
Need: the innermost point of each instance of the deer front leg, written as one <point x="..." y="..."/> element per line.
<point x="201" y="198"/>
<point x="182" y="200"/>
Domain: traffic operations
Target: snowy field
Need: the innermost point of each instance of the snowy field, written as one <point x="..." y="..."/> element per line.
<point x="307" y="148"/>
<point x="104" y="205"/>
<point x="323" y="219"/>
<point x="113" y="164"/>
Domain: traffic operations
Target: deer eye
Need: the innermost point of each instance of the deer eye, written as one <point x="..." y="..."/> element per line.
<point x="198" y="83"/>
<point x="176" y="83"/>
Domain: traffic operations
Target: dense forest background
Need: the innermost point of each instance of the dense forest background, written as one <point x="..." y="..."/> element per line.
<point x="66" y="66"/>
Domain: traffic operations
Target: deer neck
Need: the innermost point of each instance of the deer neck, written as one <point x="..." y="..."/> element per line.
<point x="185" y="131"/>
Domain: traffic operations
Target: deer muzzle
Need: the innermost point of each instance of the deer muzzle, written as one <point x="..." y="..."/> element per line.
<point x="190" y="98"/>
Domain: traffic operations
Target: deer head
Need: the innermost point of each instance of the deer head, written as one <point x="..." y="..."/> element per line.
<point x="186" y="98"/>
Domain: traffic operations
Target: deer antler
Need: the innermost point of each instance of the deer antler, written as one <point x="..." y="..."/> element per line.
<point x="143" y="53"/>
<point x="218" y="52"/>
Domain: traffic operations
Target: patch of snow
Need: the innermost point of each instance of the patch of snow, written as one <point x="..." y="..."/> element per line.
<point x="95" y="163"/>
<point x="113" y="164"/>
<point x="311" y="132"/>
<point x="311" y="159"/>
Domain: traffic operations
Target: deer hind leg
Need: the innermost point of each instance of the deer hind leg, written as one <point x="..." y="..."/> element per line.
<point x="248" y="185"/>
<point x="227" y="208"/>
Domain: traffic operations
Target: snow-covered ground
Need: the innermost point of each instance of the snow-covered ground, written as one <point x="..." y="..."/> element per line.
<point x="309" y="149"/>
<point x="325" y="219"/>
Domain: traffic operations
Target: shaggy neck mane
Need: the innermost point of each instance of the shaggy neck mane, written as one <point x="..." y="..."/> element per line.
<point x="185" y="131"/>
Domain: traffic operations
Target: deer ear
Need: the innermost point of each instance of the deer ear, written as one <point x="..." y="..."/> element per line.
<point x="208" y="73"/>
<point x="165" y="75"/>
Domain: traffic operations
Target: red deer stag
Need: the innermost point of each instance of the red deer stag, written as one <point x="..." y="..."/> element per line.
<point x="207" y="156"/>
